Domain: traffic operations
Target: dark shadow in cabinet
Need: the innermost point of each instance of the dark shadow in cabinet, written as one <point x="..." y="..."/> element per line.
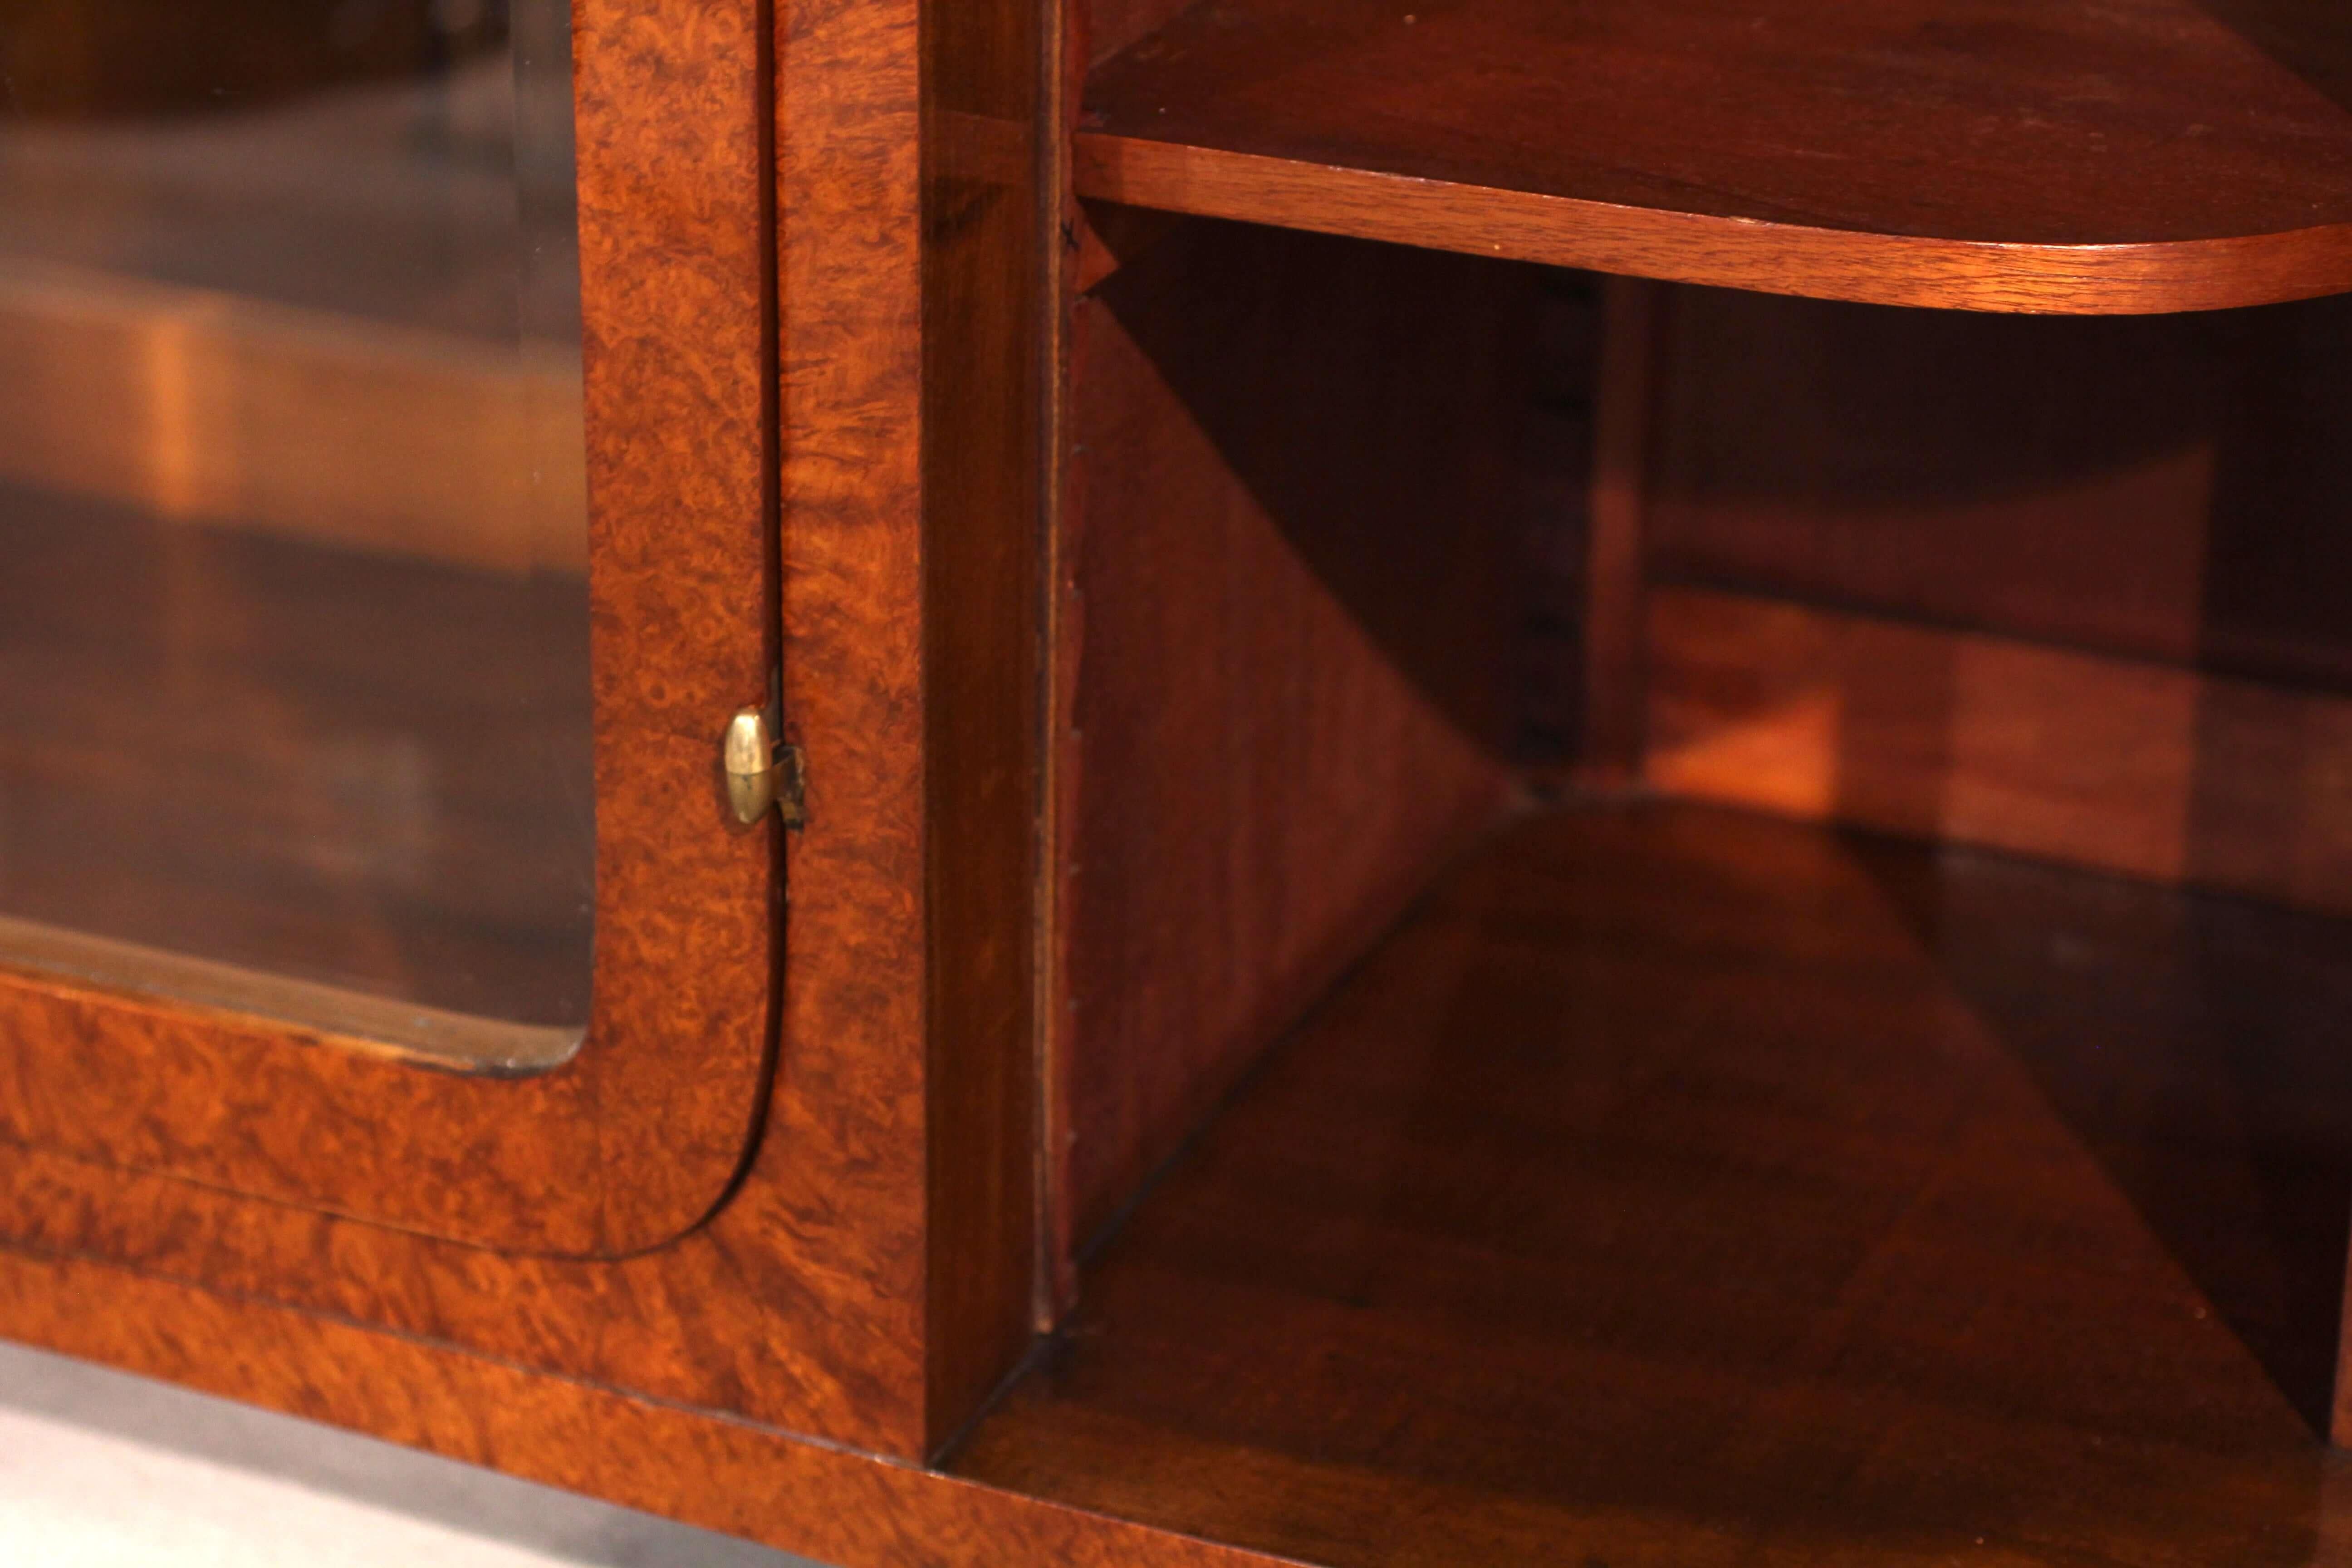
<point x="1316" y="569"/>
<point x="1433" y="479"/>
<point x="2312" y="39"/>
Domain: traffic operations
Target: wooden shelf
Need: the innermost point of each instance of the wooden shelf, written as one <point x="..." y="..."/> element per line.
<point x="1682" y="1186"/>
<point x="2046" y="155"/>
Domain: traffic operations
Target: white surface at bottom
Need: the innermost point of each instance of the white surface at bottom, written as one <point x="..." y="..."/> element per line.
<point x="100" y="1469"/>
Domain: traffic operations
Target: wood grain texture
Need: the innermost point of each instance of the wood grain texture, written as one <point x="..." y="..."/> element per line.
<point x="1296" y="557"/>
<point x="635" y="1139"/>
<point x="2145" y="769"/>
<point x="1981" y="155"/>
<point x="1682" y="1187"/>
<point x="840" y="1508"/>
<point x="2171" y="489"/>
<point x="983" y="465"/>
<point x="802" y="1303"/>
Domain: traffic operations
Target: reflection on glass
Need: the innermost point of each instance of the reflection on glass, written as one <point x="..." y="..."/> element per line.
<point x="294" y="708"/>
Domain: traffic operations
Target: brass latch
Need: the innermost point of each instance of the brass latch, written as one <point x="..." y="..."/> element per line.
<point x="761" y="770"/>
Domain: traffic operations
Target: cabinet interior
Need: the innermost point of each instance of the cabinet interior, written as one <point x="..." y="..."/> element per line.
<point x="1815" y="1029"/>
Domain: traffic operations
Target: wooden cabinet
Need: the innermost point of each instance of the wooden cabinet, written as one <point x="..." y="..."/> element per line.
<point x="528" y="1139"/>
<point x="1543" y="822"/>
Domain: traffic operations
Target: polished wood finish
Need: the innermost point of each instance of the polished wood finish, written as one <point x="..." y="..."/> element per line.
<point x="984" y="464"/>
<point x="849" y="1510"/>
<point x="2166" y="490"/>
<point x="2036" y="155"/>
<point x="1678" y="1186"/>
<point x="1110" y="26"/>
<point x="2140" y="768"/>
<point x="2072" y="588"/>
<point x="1305" y="535"/>
<point x="636" y="1138"/>
<point x="803" y="1303"/>
<point x="1163" y="603"/>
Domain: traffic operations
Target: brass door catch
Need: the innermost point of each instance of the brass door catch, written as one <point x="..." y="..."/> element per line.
<point x="761" y="770"/>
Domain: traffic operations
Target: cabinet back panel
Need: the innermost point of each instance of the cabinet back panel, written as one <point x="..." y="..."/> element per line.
<point x="1110" y="25"/>
<point x="1307" y="537"/>
<point x="2072" y="588"/>
<point x="2169" y="488"/>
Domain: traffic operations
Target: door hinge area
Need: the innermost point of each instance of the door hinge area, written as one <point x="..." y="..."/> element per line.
<point x="764" y="775"/>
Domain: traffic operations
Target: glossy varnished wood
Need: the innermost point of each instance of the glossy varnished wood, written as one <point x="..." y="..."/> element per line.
<point x="1678" y="1186"/>
<point x="1305" y="537"/>
<point x="2169" y="489"/>
<point x="985" y="370"/>
<point x="1987" y="154"/>
<point x="803" y="1303"/>
<point x="638" y="1136"/>
<point x="848" y="1510"/>
<point x="2068" y="587"/>
<point x="2147" y="769"/>
<point x="1623" y="391"/>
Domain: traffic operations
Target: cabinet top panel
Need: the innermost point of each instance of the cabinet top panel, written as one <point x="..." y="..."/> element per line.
<point x="2053" y="155"/>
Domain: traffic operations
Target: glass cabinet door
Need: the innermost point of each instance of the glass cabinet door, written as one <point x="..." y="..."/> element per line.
<point x="389" y="513"/>
<point x="295" y="712"/>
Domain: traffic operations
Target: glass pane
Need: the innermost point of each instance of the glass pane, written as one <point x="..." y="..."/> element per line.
<point x="294" y="704"/>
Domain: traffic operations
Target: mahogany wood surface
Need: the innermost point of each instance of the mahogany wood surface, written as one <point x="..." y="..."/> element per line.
<point x="2073" y="588"/>
<point x="1305" y="538"/>
<point x="2038" y="155"/>
<point x="640" y="1134"/>
<point x="2140" y="768"/>
<point x="2165" y="489"/>
<point x="1678" y="1186"/>
<point x="1108" y="27"/>
<point x="985" y="459"/>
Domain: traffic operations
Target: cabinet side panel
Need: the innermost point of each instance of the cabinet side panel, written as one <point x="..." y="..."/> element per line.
<point x="1302" y="544"/>
<point x="983" y="393"/>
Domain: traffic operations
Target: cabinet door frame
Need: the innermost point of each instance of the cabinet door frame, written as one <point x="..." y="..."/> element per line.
<point x="640" y="1134"/>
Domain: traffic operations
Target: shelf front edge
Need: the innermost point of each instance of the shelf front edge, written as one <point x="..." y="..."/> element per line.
<point x="2151" y="279"/>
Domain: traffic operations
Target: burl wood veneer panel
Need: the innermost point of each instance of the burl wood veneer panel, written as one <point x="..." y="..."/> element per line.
<point x="746" y="1480"/>
<point x="801" y="1302"/>
<point x="1309" y="534"/>
<point x="638" y="1136"/>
